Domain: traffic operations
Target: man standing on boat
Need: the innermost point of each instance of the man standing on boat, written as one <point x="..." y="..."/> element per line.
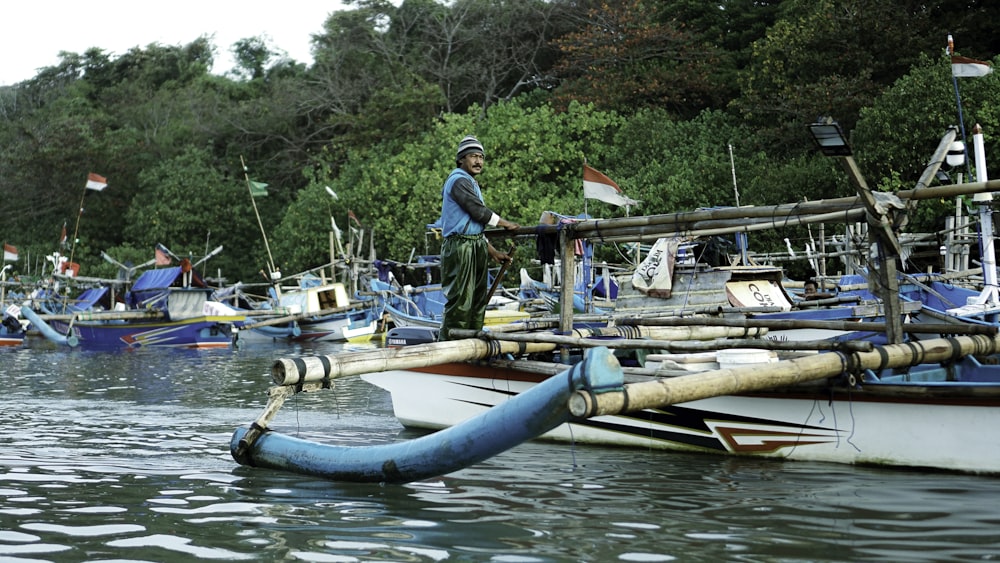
<point x="465" y="252"/>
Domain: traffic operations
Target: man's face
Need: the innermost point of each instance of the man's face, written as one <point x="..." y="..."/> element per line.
<point x="473" y="163"/>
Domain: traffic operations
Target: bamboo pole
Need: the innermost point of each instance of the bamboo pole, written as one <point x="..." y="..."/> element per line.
<point x="674" y="222"/>
<point x="744" y="379"/>
<point x="104" y="316"/>
<point x="673" y="345"/>
<point x="792" y="324"/>
<point x="263" y="234"/>
<point x="292" y="371"/>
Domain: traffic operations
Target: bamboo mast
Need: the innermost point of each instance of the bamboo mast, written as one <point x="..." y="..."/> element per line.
<point x="270" y="259"/>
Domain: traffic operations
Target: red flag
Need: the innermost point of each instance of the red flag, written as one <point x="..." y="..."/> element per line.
<point x="353" y="217"/>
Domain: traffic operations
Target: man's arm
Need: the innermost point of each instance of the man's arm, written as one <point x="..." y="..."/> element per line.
<point x="467" y="199"/>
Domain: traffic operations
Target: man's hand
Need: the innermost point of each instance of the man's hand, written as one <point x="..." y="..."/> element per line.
<point x="499" y="256"/>
<point x="507" y="224"/>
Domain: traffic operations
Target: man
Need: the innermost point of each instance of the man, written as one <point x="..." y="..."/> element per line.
<point x="465" y="252"/>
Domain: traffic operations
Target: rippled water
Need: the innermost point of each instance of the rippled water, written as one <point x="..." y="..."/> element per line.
<point x="125" y="456"/>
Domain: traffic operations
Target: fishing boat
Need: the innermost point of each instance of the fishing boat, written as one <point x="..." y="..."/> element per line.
<point x="166" y="307"/>
<point x="920" y="396"/>
<point x="699" y="380"/>
<point x="313" y="312"/>
<point x="12" y="332"/>
<point x="843" y="418"/>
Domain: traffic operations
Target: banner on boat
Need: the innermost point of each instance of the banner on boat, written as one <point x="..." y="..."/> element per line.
<point x="654" y="276"/>
<point x="757" y="293"/>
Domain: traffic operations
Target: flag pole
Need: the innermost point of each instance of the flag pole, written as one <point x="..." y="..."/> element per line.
<point x="246" y="176"/>
<point x="76" y="228"/>
<point x="958" y="103"/>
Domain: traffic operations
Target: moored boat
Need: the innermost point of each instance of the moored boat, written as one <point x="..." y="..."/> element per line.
<point x="313" y="312"/>
<point x="167" y="307"/>
<point x="931" y="416"/>
<point x="873" y="395"/>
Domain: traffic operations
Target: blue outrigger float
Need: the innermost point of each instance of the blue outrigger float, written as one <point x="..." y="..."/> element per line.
<point x="524" y="417"/>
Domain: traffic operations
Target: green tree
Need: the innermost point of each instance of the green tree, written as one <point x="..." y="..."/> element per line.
<point x="534" y="158"/>
<point x="896" y="136"/>
<point x="191" y="204"/>
<point x="831" y="57"/>
<point x="632" y="54"/>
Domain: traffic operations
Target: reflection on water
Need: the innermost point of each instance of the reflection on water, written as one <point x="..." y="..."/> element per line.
<point x="125" y="456"/>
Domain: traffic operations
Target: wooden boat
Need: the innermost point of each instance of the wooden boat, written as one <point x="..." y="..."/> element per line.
<point x="911" y="401"/>
<point x="929" y="415"/>
<point x="314" y="312"/>
<point x="924" y="402"/>
<point x="167" y="307"/>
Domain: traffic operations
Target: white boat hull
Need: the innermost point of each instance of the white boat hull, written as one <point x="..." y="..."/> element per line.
<point x="910" y="427"/>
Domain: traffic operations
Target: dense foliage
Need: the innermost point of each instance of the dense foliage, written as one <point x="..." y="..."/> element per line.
<point x="683" y="103"/>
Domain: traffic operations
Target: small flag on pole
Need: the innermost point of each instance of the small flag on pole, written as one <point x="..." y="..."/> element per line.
<point x="62" y="237"/>
<point x="598" y="186"/>
<point x="353" y="217"/>
<point x="96" y="182"/>
<point x="258" y="189"/>
<point x="161" y="255"/>
<point x="9" y="253"/>
<point x="964" y="67"/>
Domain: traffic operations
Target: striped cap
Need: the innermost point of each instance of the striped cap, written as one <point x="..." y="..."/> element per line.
<point x="468" y="145"/>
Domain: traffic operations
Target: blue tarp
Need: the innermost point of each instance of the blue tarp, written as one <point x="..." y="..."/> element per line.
<point x="156" y="279"/>
<point x="87" y="299"/>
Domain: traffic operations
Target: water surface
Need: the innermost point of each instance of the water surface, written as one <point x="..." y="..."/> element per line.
<point x="125" y="456"/>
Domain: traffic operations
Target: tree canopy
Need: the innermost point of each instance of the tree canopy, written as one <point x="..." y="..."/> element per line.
<point x="683" y="103"/>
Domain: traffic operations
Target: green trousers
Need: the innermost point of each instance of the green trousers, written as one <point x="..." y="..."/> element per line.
<point x="464" y="274"/>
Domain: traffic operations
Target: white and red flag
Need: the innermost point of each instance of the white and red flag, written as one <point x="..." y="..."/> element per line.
<point x="96" y="182"/>
<point x="964" y="67"/>
<point x="598" y="186"/>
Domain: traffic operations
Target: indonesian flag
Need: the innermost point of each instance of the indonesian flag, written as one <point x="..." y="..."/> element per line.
<point x="95" y="182"/>
<point x="9" y="253"/>
<point x="964" y="67"/>
<point x="162" y="255"/>
<point x="598" y="186"/>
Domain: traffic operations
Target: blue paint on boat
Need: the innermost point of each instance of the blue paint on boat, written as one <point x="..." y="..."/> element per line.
<point x="524" y="417"/>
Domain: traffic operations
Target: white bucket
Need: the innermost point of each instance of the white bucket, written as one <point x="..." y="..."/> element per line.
<point x="738" y="357"/>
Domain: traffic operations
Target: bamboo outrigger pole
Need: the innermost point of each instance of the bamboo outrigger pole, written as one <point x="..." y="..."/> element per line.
<point x="744" y="379"/>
